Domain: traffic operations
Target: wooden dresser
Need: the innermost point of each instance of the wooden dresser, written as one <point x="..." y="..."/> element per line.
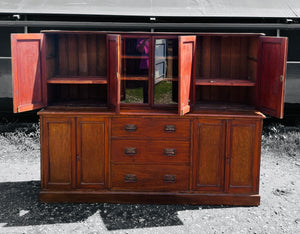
<point x="149" y="117"/>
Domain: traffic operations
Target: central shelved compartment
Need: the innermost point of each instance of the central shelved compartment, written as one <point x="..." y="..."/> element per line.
<point x="226" y="71"/>
<point x="76" y="68"/>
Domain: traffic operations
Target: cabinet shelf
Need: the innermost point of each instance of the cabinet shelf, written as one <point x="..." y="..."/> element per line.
<point x="77" y="80"/>
<point x="224" y="82"/>
<point x="134" y="57"/>
<point x="134" y="78"/>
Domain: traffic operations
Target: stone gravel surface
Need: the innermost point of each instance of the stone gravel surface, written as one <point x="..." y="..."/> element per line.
<point x="21" y="211"/>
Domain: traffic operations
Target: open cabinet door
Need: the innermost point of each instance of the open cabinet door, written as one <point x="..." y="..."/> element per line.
<point x="114" y="69"/>
<point x="271" y="75"/>
<point x="27" y="72"/>
<point x="186" y="51"/>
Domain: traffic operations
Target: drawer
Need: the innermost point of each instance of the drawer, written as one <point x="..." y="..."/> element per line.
<point x="151" y="127"/>
<point x="150" y="177"/>
<point x="129" y="151"/>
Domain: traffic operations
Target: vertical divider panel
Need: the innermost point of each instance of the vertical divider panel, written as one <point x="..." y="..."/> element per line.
<point x="114" y="69"/>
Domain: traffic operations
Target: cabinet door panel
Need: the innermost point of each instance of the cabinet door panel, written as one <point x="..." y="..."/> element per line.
<point x="271" y="75"/>
<point x="114" y="69"/>
<point x="186" y="53"/>
<point x="92" y="141"/>
<point x="209" y="150"/>
<point x="243" y="156"/>
<point x="29" y="90"/>
<point x="58" y="151"/>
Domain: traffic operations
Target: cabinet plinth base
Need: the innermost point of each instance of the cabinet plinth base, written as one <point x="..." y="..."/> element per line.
<point x="150" y="198"/>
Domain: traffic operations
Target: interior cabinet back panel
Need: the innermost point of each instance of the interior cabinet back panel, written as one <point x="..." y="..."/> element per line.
<point x="81" y="55"/>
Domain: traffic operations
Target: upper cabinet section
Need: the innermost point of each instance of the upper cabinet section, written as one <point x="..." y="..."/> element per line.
<point x="180" y="73"/>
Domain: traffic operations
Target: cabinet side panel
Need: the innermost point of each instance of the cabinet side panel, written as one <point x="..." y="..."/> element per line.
<point x="209" y="150"/>
<point x="91" y="153"/>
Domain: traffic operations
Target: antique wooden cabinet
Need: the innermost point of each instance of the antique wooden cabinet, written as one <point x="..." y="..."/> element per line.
<point x="149" y="117"/>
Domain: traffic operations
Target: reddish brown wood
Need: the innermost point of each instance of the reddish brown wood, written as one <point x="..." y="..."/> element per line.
<point x="147" y="177"/>
<point x="150" y="127"/>
<point x="27" y="68"/>
<point x="224" y="82"/>
<point x="241" y="156"/>
<point x="143" y="151"/>
<point x="271" y="75"/>
<point x="92" y="150"/>
<point x="209" y="151"/>
<point x="186" y="53"/>
<point x="114" y="70"/>
<point x="77" y="80"/>
<point x="58" y="152"/>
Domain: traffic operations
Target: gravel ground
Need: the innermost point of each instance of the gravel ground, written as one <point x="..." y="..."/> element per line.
<point x="21" y="212"/>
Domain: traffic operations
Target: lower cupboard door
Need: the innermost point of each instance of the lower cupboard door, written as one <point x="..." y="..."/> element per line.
<point x="92" y="146"/>
<point x="150" y="177"/>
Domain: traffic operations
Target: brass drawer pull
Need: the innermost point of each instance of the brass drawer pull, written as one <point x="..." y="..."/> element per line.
<point x="130" y="128"/>
<point x="170" y="152"/>
<point x="170" y="128"/>
<point x="170" y="178"/>
<point x="130" y="151"/>
<point x="130" y="178"/>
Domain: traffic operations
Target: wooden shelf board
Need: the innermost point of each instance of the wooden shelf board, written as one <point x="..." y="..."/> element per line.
<point x="134" y="78"/>
<point x="224" y="82"/>
<point x="77" y="80"/>
<point x="134" y="57"/>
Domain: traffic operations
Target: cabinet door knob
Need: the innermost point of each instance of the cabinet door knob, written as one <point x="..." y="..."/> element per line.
<point x="170" y="128"/>
<point x="130" y="151"/>
<point x="169" y="152"/>
<point x="130" y="178"/>
<point x="170" y="178"/>
<point x="130" y="128"/>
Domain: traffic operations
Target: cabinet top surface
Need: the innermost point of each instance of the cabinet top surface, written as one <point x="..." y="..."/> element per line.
<point x="73" y="111"/>
<point x="152" y="33"/>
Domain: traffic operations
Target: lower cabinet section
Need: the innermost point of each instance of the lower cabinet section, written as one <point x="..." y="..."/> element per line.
<point x="89" y="158"/>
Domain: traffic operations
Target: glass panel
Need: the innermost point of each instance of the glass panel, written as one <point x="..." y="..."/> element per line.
<point x="134" y="91"/>
<point x="135" y="62"/>
<point x="135" y="70"/>
<point x="166" y="71"/>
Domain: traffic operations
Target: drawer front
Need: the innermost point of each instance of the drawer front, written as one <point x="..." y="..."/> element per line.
<point x="150" y="177"/>
<point x="151" y="127"/>
<point x="133" y="151"/>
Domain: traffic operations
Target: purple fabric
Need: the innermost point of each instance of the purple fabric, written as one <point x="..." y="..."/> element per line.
<point x="145" y="61"/>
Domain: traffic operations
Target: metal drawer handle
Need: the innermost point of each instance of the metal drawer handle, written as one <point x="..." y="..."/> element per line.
<point x="130" y="178"/>
<point x="130" y="151"/>
<point x="170" y="178"/>
<point x="130" y="128"/>
<point x="170" y="152"/>
<point x="170" y="128"/>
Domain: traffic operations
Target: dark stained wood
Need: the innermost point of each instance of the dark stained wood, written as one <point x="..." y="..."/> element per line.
<point x="150" y="152"/>
<point x="150" y="197"/>
<point x="271" y="75"/>
<point x="58" y="152"/>
<point x="241" y="156"/>
<point x="186" y="53"/>
<point x="114" y="70"/>
<point x="150" y="127"/>
<point x="148" y="177"/>
<point x="92" y="150"/>
<point x="209" y="151"/>
<point x="27" y="68"/>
